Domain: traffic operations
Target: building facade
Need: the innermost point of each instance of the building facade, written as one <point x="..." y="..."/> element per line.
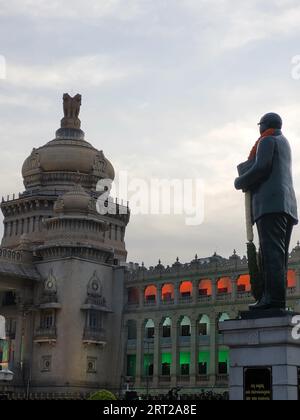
<point x="172" y="317"/>
<point x="60" y="269"/>
<point x="78" y="317"/>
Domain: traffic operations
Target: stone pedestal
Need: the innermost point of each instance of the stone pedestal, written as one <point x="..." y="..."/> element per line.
<point x="264" y="344"/>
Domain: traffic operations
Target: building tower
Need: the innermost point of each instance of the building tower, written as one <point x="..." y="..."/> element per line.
<point x="71" y="340"/>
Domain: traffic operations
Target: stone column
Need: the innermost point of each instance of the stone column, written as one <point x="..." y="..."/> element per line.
<point x="141" y="296"/>
<point x="214" y="349"/>
<point x="13" y="227"/>
<point x="176" y="293"/>
<point x="297" y="281"/>
<point x="234" y="281"/>
<point x="194" y="351"/>
<point x="175" y="353"/>
<point x="28" y="346"/>
<point x="10" y="228"/>
<point x="195" y="293"/>
<point x="156" y="354"/>
<point x="214" y="282"/>
<point x="18" y="345"/>
<point x="158" y="295"/>
<point x="139" y="351"/>
<point x="123" y="346"/>
<point x="27" y="225"/>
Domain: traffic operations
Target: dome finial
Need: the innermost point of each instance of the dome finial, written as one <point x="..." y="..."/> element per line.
<point x="71" y="111"/>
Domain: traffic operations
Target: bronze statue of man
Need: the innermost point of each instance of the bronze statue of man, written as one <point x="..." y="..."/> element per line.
<point x="267" y="175"/>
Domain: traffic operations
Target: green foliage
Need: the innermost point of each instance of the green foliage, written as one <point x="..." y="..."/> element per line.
<point x="102" y="395"/>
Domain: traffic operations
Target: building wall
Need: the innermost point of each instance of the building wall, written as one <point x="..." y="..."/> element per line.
<point x="218" y="305"/>
<point x="70" y="355"/>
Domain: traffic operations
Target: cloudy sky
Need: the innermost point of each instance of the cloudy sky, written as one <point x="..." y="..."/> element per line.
<point x="172" y="89"/>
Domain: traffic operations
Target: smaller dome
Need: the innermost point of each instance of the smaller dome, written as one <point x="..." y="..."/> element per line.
<point x="75" y="201"/>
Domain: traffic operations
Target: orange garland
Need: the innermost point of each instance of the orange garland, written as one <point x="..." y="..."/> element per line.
<point x="267" y="133"/>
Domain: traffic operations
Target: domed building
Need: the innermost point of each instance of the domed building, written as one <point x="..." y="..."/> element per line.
<point x="64" y="266"/>
<point x="55" y="166"/>
<point x="50" y="172"/>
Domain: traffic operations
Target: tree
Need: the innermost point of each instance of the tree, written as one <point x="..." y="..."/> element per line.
<point x="103" y="395"/>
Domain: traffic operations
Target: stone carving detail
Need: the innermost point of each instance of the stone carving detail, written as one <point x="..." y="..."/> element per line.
<point x="95" y="288"/>
<point x="99" y="164"/>
<point x="49" y="292"/>
<point x="59" y="205"/>
<point x="71" y="111"/>
<point x="50" y="285"/>
<point x="95" y="291"/>
<point x="34" y="162"/>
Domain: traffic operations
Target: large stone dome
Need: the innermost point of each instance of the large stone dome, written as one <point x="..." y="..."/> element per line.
<point x="58" y="163"/>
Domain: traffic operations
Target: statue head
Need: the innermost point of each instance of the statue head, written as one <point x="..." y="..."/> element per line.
<point x="270" y="120"/>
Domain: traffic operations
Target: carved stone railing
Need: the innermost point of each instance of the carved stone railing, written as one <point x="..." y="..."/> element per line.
<point x="203" y="378"/>
<point x="96" y="336"/>
<point x="131" y="343"/>
<point x="222" y="379"/>
<point x="185" y="299"/>
<point x="165" y="378"/>
<point x="204" y="299"/>
<point x="45" y="334"/>
<point x="184" y="378"/>
<point x="12" y="256"/>
<point x="204" y="340"/>
<point x="291" y="291"/>
<point x="244" y="295"/>
<point x="223" y="297"/>
<point x="150" y="303"/>
<point x="166" y="341"/>
<point x="239" y="266"/>
<point x="49" y="298"/>
<point x="167" y="302"/>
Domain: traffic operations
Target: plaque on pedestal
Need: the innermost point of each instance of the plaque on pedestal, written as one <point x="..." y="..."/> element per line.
<point x="258" y="384"/>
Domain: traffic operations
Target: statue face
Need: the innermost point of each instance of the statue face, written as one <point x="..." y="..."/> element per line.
<point x="262" y="128"/>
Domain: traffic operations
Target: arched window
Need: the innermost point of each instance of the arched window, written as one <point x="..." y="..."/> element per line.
<point x="133" y="295"/>
<point x="223" y="361"/>
<point x="224" y="285"/>
<point x="186" y="289"/>
<point x="166" y="328"/>
<point x="167" y="292"/>
<point x="204" y="326"/>
<point x="131" y="330"/>
<point x="185" y="327"/>
<point x="243" y="283"/>
<point x="223" y="317"/>
<point x="291" y="279"/>
<point x="205" y="287"/>
<point x="149" y="329"/>
<point x="150" y="294"/>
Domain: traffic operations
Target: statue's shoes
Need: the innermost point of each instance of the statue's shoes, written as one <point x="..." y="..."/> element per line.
<point x="262" y="305"/>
